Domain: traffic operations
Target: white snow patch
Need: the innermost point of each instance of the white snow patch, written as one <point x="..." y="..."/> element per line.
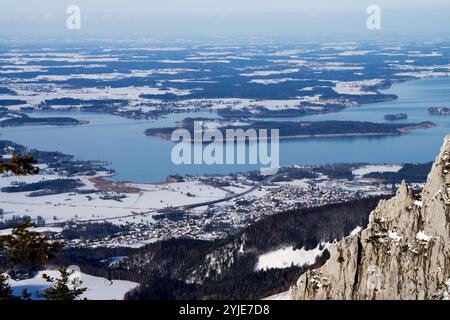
<point x="421" y="236"/>
<point x="356" y="87"/>
<point x="271" y="81"/>
<point x="98" y="288"/>
<point x="269" y="72"/>
<point x="285" y="257"/>
<point x="394" y="236"/>
<point x="356" y="231"/>
<point x="353" y="53"/>
<point x="375" y="168"/>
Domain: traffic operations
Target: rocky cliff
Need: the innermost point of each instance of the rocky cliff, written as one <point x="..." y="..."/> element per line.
<point x="404" y="253"/>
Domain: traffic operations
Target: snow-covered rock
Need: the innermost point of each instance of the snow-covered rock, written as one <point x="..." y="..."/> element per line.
<point x="404" y="253"/>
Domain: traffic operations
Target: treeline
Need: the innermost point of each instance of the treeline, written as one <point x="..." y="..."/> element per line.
<point x="72" y="101"/>
<point x="240" y="286"/>
<point x="15" y="221"/>
<point x="336" y="171"/>
<point x="308" y="227"/>
<point x="11" y="102"/>
<point x="45" y="187"/>
<point x="247" y="287"/>
<point x="79" y="167"/>
<point x="363" y="99"/>
<point x="411" y="173"/>
<point x="94" y="261"/>
<point x="91" y="231"/>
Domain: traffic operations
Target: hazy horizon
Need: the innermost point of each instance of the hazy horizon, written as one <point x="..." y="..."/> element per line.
<point x="27" y="18"/>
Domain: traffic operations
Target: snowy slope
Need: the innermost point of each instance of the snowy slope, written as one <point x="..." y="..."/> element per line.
<point x="98" y="288"/>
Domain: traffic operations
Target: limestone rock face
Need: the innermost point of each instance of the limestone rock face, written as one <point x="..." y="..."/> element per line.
<point x="404" y="253"/>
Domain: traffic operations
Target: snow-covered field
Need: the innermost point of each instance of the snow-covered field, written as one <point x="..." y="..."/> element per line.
<point x="269" y="73"/>
<point x="356" y="87"/>
<point x="67" y="206"/>
<point x="34" y="94"/>
<point x="298" y="183"/>
<point x="97" y="288"/>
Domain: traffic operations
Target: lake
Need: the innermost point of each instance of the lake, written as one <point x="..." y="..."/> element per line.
<point x="141" y="158"/>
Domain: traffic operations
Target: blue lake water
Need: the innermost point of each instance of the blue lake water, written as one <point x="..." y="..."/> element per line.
<point x="140" y="158"/>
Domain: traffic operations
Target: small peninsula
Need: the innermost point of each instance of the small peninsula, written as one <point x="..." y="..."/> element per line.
<point x="15" y="119"/>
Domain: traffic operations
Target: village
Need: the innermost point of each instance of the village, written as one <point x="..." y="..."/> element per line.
<point x="218" y="219"/>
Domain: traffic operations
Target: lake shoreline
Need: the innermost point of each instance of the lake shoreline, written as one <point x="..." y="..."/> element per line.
<point x="142" y="166"/>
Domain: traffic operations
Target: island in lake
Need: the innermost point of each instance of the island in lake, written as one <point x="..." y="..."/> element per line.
<point x="296" y="129"/>
<point x="396" y="116"/>
<point x="15" y="119"/>
<point x="440" y="111"/>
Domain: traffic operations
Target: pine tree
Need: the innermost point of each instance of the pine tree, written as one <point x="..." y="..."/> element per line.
<point x="63" y="288"/>
<point x="19" y="165"/>
<point x="27" y="250"/>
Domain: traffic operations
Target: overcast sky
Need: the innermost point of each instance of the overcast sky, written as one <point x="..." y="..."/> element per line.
<point x="208" y="17"/>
